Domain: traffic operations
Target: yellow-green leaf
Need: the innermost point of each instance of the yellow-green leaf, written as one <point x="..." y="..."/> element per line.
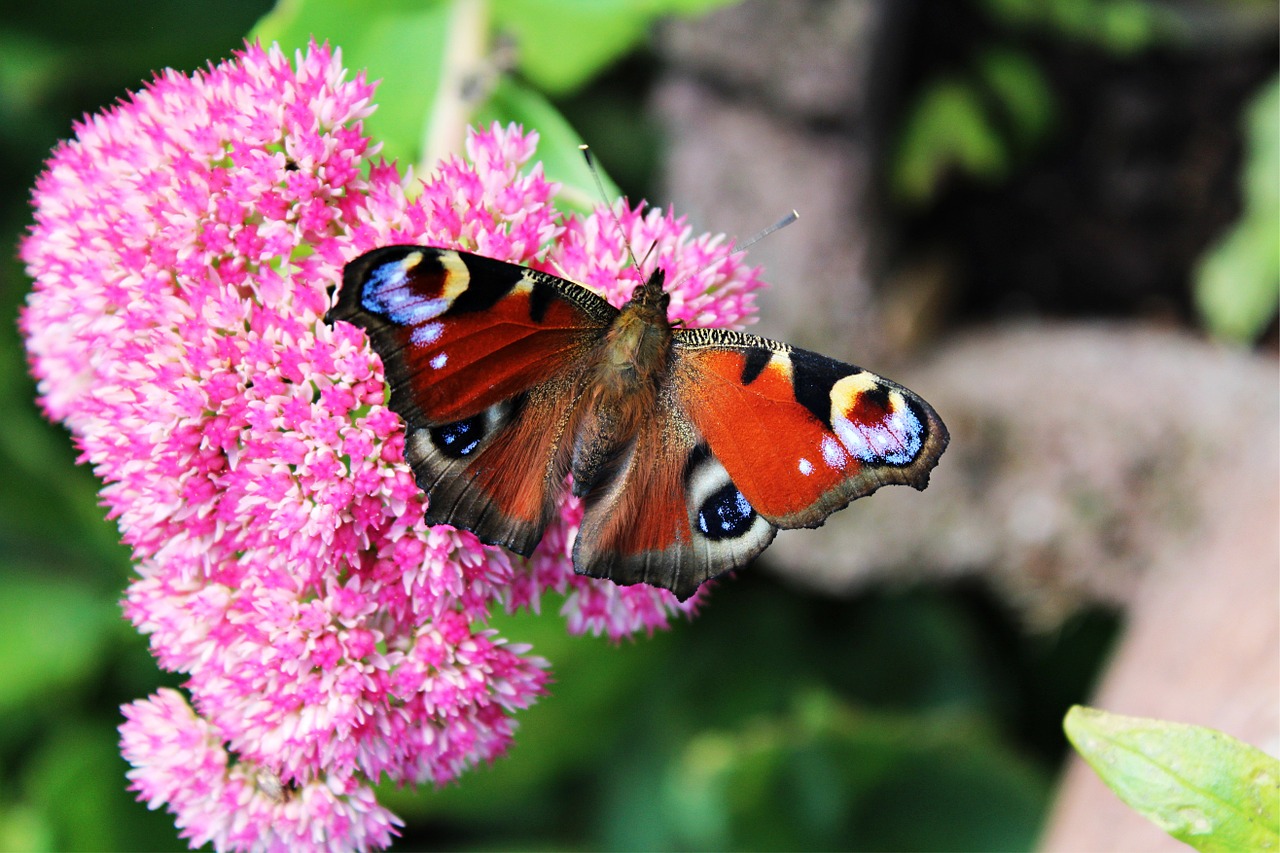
<point x="558" y="142"/>
<point x="1201" y="786"/>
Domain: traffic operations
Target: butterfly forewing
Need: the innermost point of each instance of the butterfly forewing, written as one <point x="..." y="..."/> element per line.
<point x="458" y="332"/>
<point x="483" y="359"/>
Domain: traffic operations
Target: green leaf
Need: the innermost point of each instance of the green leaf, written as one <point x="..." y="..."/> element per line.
<point x="1023" y="91"/>
<point x="25" y="828"/>
<point x="558" y="144"/>
<point x="1236" y="283"/>
<point x="1199" y="785"/>
<point x="563" y="43"/>
<point x="1237" y="286"/>
<point x="1262" y="163"/>
<point x="1128" y="27"/>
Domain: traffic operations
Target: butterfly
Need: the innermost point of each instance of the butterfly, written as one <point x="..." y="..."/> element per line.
<point x="689" y="447"/>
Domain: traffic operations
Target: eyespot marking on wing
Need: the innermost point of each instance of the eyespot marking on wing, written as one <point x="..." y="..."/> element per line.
<point x="459" y="439"/>
<point x="720" y="511"/>
<point x="726" y="514"/>
<point x="875" y="422"/>
<point x="387" y="291"/>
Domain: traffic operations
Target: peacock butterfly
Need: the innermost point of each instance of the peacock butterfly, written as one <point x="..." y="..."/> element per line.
<point x="689" y="447"/>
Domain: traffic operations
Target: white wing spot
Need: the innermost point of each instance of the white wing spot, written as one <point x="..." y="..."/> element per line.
<point x="427" y="333"/>
<point x="805" y="466"/>
<point x="833" y="454"/>
<point x="440" y="360"/>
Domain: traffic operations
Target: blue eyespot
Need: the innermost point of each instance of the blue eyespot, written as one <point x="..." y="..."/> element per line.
<point x="461" y="438"/>
<point x="387" y="294"/>
<point x="726" y="514"/>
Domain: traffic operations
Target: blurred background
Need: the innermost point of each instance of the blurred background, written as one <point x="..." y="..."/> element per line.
<point x="1057" y="220"/>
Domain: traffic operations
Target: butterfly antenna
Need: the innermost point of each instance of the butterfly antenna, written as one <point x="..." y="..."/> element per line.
<point x="617" y="220"/>
<point x="742" y="247"/>
<point x="777" y="226"/>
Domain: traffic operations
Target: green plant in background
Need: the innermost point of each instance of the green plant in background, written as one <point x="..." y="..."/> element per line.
<point x="67" y="658"/>
<point x="1238" y="283"/>
<point x="842" y="773"/>
<point x="953" y="125"/>
<point x="1199" y="785"/>
<point x="877" y="724"/>
<point x="446" y="64"/>
<point x="1118" y="26"/>
<point x="983" y="120"/>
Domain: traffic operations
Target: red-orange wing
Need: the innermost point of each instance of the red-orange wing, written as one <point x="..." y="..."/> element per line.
<point x="799" y="434"/>
<point x="483" y="360"/>
<point x="750" y="435"/>
<point x="668" y="513"/>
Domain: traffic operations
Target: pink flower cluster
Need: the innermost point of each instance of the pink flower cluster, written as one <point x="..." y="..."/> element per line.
<point x="187" y="243"/>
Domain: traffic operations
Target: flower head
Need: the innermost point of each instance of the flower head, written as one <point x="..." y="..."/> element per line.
<point x="186" y="246"/>
<point x="180" y="760"/>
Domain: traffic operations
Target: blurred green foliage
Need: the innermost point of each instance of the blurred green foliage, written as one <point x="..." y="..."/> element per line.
<point x="67" y="659"/>
<point x="993" y="109"/>
<point x="1201" y="786"/>
<point x="987" y="117"/>
<point x="921" y="719"/>
<point x="775" y="720"/>
<point x="442" y="67"/>
<point x="952" y="126"/>
<point x="1238" y="283"/>
<point x="1119" y="26"/>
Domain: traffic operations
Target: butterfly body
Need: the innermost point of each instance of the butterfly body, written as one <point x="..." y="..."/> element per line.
<point x="690" y="448"/>
<point x="622" y="384"/>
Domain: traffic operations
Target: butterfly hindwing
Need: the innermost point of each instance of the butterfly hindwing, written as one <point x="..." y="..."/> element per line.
<point x="496" y="473"/>
<point x="667" y="514"/>
<point x="483" y="359"/>
<point x="800" y="434"/>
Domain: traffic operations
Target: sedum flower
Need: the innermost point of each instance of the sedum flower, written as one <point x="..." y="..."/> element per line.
<point x="186" y="245"/>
